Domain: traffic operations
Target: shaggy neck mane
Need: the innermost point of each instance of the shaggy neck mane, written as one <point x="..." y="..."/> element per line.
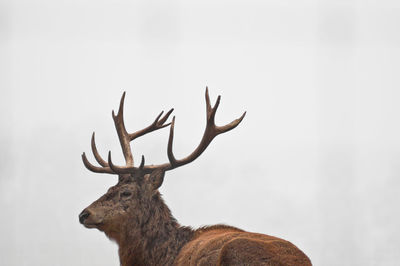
<point x="153" y="238"/>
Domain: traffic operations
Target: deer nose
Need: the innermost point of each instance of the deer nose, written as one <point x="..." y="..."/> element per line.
<point x="83" y="215"/>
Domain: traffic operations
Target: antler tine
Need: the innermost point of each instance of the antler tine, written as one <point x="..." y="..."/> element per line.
<point x="211" y="111"/>
<point x="142" y="163"/>
<point x="157" y="124"/>
<point x="171" y="157"/>
<point x="96" y="153"/>
<point x="230" y="126"/>
<point x="96" y="169"/>
<point x="210" y="132"/>
<point x="122" y="133"/>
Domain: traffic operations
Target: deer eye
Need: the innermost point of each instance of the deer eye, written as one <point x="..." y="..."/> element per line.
<point x="126" y="194"/>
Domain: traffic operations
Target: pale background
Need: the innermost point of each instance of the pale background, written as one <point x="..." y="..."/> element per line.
<point x="316" y="160"/>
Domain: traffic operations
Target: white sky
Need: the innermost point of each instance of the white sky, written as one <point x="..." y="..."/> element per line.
<point x="316" y="160"/>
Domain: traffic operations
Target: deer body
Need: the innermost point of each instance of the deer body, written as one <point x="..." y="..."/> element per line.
<point x="134" y="215"/>
<point x="225" y="245"/>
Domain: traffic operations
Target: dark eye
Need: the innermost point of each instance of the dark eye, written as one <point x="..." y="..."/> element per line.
<point x="126" y="194"/>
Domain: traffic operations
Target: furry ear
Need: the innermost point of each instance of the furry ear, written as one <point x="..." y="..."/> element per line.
<point x="155" y="179"/>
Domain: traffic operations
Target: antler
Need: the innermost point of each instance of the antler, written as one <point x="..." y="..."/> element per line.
<point x="124" y="138"/>
<point x="210" y="132"/>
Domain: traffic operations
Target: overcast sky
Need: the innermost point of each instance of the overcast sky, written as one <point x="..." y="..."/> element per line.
<point x="316" y="161"/>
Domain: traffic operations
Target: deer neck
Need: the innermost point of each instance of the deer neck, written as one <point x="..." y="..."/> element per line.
<point x="155" y="238"/>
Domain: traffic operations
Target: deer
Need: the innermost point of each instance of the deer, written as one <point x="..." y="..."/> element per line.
<point x="133" y="214"/>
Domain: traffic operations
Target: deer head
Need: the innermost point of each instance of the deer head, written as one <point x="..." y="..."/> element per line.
<point x="135" y="198"/>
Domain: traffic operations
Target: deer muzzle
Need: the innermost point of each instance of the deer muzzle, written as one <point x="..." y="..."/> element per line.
<point x="89" y="219"/>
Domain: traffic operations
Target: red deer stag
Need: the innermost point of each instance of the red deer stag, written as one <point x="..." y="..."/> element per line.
<point x="133" y="213"/>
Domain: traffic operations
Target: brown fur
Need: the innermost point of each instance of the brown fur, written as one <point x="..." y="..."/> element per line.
<point x="231" y="246"/>
<point x="147" y="234"/>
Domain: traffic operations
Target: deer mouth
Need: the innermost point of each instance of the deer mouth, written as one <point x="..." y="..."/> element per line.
<point x="92" y="225"/>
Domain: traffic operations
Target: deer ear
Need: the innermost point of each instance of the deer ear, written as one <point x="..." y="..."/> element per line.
<point x="155" y="179"/>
